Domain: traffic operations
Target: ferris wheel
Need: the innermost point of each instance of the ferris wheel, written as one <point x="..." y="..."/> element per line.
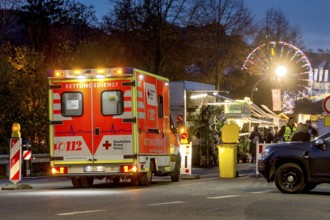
<point x="264" y="59"/>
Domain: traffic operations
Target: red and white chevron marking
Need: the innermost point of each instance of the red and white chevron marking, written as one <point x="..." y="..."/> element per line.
<point x="15" y="160"/>
<point x="27" y="154"/>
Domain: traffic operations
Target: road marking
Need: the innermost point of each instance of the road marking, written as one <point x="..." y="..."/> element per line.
<point x="81" y="212"/>
<point x="166" y="203"/>
<point x="223" y="197"/>
<point x="265" y="191"/>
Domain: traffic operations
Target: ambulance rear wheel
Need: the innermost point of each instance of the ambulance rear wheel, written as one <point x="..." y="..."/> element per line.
<point x="134" y="180"/>
<point x="86" y="181"/>
<point x="76" y="182"/>
<point x="145" y="179"/>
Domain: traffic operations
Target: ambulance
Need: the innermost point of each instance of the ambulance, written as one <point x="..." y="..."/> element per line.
<point x="111" y="124"/>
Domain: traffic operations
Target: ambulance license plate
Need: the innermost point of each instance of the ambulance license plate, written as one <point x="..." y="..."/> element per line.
<point x="94" y="168"/>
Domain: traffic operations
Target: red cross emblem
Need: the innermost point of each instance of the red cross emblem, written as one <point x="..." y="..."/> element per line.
<point x="107" y="145"/>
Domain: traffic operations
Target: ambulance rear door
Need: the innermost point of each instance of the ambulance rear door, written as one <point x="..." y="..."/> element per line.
<point x="71" y="120"/>
<point x="113" y="120"/>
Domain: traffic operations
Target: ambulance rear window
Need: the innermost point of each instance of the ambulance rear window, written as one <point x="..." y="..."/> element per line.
<point x="112" y="102"/>
<point x="72" y="104"/>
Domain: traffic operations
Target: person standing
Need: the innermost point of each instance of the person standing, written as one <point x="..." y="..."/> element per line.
<point x="302" y="133"/>
<point x="269" y="137"/>
<point x="311" y="130"/>
<point x="255" y="137"/>
<point x="287" y="130"/>
<point x="275" y="134"/>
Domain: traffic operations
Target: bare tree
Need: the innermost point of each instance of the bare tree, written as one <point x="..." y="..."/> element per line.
<point x="226" y="25"/>
<point x="276" y="27"/>
<point x="7" y="15"/>
<point x="154" y="26"/>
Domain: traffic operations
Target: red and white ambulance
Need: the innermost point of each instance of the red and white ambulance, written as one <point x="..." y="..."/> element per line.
<point x="111" y="123"/>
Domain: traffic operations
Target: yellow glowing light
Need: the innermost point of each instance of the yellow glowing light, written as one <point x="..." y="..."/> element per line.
<point x="281" y="71"/>
<point x="134" y="169"/>
<point x="182" y="130"/>
<point x="16" y="128"/>
<point x="100" y="71"/>
<point x="57" y="74"/>
<point x="77" y="72"/>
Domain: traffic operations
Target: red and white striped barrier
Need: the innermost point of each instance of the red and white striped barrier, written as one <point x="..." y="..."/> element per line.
<point x="15" y="160"/>
<point x="27" y="155"/>
<point x="186" y="155"/>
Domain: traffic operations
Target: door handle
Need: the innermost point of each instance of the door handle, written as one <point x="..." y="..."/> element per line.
<point x="97" y="131"/>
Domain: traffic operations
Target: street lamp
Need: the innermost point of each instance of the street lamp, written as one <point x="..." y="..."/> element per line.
<point x="280" y="72"/>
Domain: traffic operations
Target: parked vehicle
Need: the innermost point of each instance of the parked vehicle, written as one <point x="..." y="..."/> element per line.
<point x="111" y="123"/>
<point x="297" y="166"/>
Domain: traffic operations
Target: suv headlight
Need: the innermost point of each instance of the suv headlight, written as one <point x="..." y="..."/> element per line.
<point x="265" y="153"/>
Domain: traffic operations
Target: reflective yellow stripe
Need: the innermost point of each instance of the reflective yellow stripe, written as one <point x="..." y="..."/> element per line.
<point x="288" y="132"/>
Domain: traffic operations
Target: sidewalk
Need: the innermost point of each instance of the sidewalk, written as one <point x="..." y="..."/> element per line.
<point x="243" y="170"/>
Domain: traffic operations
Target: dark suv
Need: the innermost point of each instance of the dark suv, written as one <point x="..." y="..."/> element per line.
<point x="297" y="166"/>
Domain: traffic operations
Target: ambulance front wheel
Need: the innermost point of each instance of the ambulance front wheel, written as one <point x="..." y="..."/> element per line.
<point x="176" y="172"/>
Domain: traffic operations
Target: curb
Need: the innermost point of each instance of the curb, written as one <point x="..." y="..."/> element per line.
<point x="16" y="187"/>
<point x="189" y="177"/>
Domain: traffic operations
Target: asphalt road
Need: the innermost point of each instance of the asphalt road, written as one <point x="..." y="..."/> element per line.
<point x="211" y="197"/>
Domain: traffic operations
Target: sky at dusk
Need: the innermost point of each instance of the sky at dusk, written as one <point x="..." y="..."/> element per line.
<point x="312" y="16"/>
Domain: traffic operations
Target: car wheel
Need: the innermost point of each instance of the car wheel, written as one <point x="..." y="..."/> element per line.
<point x="289" y="178"/>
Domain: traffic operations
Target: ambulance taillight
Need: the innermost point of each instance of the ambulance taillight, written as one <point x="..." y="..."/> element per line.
<point x="59" y="170"/>
<point x="128" y="169"/>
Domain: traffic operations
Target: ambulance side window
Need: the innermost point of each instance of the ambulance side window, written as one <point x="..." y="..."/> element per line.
<point x="112" y="102"/>
<point x="160" y="106"/>
<point x="72" y="104"/>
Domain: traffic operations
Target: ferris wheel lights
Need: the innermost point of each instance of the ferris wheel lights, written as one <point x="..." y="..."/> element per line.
<point x="281" y="71"/>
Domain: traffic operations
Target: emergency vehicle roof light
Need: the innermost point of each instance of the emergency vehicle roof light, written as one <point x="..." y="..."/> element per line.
<point x="81" y="77"/>
<point x="90" y="73"/>
<point x="77" y="72"/>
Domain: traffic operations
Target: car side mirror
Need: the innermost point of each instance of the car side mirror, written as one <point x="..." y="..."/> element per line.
<point x="320" y="144"/>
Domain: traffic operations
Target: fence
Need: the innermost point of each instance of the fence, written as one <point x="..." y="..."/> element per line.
<point x="36" y="158"/>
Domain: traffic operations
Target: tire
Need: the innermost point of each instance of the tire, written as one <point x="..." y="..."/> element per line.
<point x="175" y="177"/>
<point x="116" y="180"/>
<point x="145" y="179"/>
<point x="75" y="182"/>
<point x="86" y="181"/>
<point x="134" y="180"/>
<point x="289" y="178"/>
